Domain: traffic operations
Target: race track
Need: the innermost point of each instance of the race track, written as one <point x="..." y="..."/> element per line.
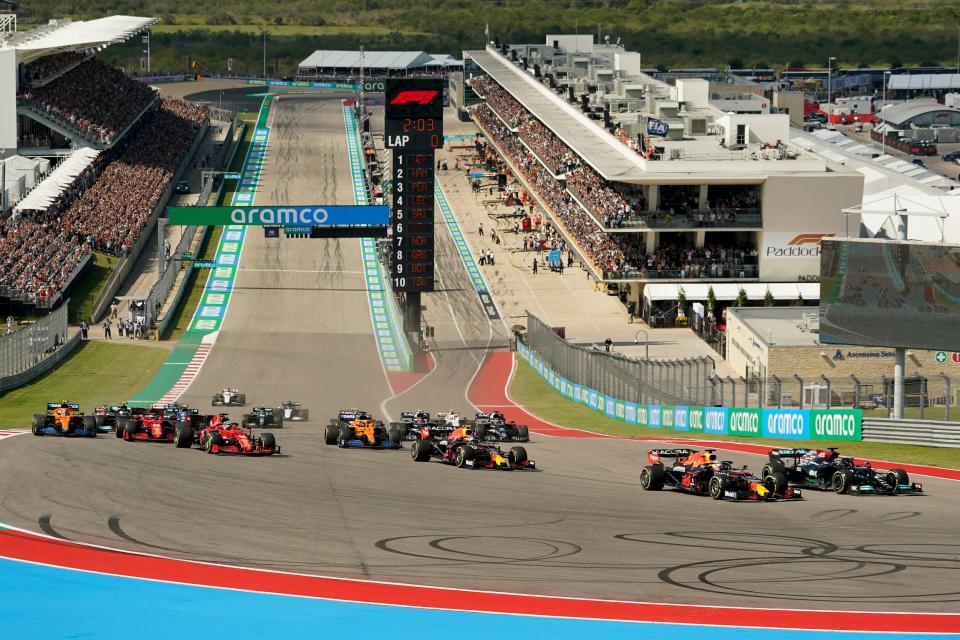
<point x="299" y="328"/>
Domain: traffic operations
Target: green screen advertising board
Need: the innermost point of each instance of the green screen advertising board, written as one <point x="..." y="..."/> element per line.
<point x="283" y="215"/>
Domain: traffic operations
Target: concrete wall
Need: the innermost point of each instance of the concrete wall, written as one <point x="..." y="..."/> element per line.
<point x="792" y="101"/>
<point x="746" y="352"/>
<point x="797" y="211"/>
<point x="8" y="101"/>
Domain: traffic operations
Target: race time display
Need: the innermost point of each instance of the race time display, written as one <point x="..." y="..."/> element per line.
<point x="413" y="129"/>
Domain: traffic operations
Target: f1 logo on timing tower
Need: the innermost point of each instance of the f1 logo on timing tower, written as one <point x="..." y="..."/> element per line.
<point x="419" y="97"/>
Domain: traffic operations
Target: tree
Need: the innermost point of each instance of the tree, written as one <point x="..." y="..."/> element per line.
<point x="741" y="300"/>
<point x="681" y="301"/>
<point x="711" y="302"/>
<point x="768" y="300"/>
<point x="735" y="63"/>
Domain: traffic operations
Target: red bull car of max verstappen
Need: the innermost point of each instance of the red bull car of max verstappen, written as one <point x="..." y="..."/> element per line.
<point x="463" y="449"/>
<point x="700" y="473"/>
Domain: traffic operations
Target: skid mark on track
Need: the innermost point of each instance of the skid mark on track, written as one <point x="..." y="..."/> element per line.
<point x="44" y="523"/>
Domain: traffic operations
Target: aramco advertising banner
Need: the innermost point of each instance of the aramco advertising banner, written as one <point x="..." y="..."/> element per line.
<point x="788" y="424"/>
<point x="282" y="215"/>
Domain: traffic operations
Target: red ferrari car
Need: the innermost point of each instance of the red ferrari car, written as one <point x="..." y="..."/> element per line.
<point x="230" y="437"/>
<point x="150" y="425"/>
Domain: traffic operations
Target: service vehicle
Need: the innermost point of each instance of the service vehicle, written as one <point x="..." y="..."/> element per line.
<point x="229" y="397"/>
<point x="183" y="187"/>
<point x="464" y="450"/>
<point x="357" y="428"/>
<point x="64" y="419"/>
<point x="826" y="469"/>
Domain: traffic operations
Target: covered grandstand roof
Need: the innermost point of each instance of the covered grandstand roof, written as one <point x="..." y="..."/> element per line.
<point x="73" y="36"/>
<point x="609" y="157"/>
<point x="730" y="290"/>
<point x="47" y="192"/>
<point x="391" y="60"/>
<point x="920" y="81"/>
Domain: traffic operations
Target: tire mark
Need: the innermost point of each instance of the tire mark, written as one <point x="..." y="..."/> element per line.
<point x="44" y="523"/>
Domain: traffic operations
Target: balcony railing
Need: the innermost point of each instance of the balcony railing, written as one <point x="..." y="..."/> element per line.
<point x="692" y="219"/>
<point x="727" y="271"/>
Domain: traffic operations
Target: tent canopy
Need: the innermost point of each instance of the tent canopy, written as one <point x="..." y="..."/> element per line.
<point x="47" y="192"/>
<point x="728" y="291"/>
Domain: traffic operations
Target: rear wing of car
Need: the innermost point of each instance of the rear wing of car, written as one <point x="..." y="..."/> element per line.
<point x="654" y="455"/>
<point x="776" y="454"/>
<point x="353" y="415"/>
<point x="62" y="405"/>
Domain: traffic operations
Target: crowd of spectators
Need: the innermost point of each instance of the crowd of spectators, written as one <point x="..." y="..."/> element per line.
<point x="617" y="255"/>
<point x="105" y="209"/>
<point x="49" y="66"/>
<point x="95" y="99"/>
<point x="506" y="106"/>
<point x="548" y="147"/>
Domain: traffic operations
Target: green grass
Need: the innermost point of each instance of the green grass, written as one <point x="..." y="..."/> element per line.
<point x="538" y="397"/>
<point x="86" y="289"/>
<point x="913" y="413"/>
<point x="196" y="283"/>
<point x="96" y="373"/>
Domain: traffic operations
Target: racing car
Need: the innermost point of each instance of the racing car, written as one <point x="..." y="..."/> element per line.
<point x="229" y="397"/>
<point x="291" y="410"/>
<point x="64" y="419"/>
<point x="262" y="417"/>
<point x="494" y="426"/>
<point x="153" y="425"/>
<point x="463" y="449"/>
<point x="694" y="472"/>
<point x="826" y="469"/>
<point x="412" y="423"/>
<point x="357" y="428"/>
<point x="108" y="416"/>
<point x="229" y="437"/>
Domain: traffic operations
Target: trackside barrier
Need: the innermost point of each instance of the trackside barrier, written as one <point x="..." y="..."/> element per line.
<point x="35" y="349"/>
<point x="798" y="424"/>
<point x="922" y="432"/>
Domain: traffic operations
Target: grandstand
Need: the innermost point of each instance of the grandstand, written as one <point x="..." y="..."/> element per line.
<point x="116" y="145"/>
<point x="651" y="181"/>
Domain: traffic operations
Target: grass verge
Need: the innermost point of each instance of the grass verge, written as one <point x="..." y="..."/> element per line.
<point x="84" y="293"/>
<point x="90" y="377"/>
<point x="538" y="397"/>
<point x="196" y="283"/>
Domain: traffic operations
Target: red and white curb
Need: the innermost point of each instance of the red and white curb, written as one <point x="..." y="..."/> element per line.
<point x="189" y="374"/>
<point x="9" y="433"/>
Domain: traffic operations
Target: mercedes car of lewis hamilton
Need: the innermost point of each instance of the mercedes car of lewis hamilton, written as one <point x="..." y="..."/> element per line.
<point x="64" y="419"/>
<point x="826" y="469"/>
<point x="354" y="428"/>
<point x="463" y="449"/>
<point x="700" y="473"/>
<point x="263" y="417"/>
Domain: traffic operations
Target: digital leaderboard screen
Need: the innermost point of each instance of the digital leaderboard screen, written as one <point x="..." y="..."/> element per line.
<point x="413" y="130"/>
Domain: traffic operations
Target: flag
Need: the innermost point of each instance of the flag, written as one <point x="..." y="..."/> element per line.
<point x="486" y="31"/>
<point x="656" y="127"/>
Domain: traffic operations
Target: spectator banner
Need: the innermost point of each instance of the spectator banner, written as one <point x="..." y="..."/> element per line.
<point x="791" y="424"/>
<point x="311" y="215"/>
<point x="656" y="127"/>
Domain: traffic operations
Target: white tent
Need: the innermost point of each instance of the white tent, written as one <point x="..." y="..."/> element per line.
<point x="47" y="192"/>
<point x="29" y="167"/>
<point x="728" y="291"/>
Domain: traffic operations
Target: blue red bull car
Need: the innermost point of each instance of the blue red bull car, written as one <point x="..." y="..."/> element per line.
<point x="464" y="450"/>
<point x="701" y="473"/>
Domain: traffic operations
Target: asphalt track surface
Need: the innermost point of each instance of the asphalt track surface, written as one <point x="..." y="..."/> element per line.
<point x="299" y="327"/>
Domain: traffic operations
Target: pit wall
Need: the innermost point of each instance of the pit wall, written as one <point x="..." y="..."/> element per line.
<point x="798" y="424"/>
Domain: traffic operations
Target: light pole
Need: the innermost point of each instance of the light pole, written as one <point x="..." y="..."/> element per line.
<point x="830" y="62"/>
<point x="883" y="133"/>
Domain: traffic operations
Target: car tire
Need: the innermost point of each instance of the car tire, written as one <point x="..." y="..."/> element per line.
<point x="716" y="488"/>
<point x="344" y="435"/>
<point x="395" y="435"/>
<point x="841" y="481"/>
<point x="463" y="455"/>
<point x="480" y="431"/>
<point x="523" y="434"/>
<point x="421" y="450"/>
<point x="897" y="477"/>
<point x="39" y="421"/>
<point x="182" y="435"/>
<point x="37" y="429"/>
<point x="652" y="477"/>
<point x="779" y="481"/>
<point x="517" y="456"/>
<point x="101" y="421"/>
<point x="279" y="423"/>
<point x="247" y="420"/>
<point x="241" y="399"/>
<point x="267" y="441"/>
<point x="210" y="440"/>
<point x="90" y="426"/>
<point x="122" y="426"/>
<point x="330" y="436"/>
